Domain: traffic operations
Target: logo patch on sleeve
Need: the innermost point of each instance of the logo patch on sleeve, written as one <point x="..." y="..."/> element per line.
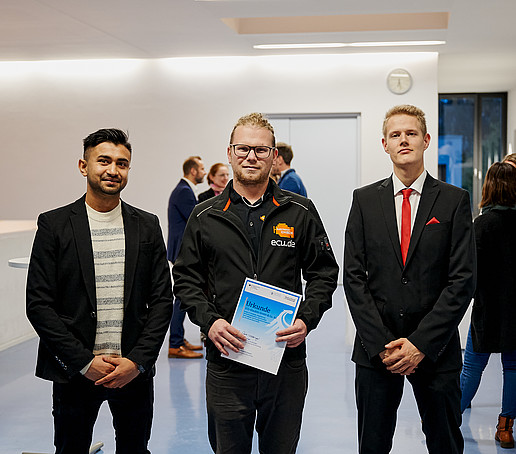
<point x="283" y="230"/>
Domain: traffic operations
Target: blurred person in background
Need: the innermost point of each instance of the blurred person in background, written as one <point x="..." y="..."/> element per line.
<point x="493" y="320"/>
<point x="218" y="178"/>
<point x="283" y="174"/>
<point x="180" y="205"/>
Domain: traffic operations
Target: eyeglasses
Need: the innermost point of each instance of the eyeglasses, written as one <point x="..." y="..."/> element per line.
<point x="242" y="151"/>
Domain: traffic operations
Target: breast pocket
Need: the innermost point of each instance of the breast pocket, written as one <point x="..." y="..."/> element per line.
<point x="445" y="225"/>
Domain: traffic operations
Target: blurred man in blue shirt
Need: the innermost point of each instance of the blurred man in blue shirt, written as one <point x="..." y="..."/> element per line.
<point x="288" y="178"/>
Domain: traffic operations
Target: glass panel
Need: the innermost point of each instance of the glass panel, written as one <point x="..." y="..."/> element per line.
<point x="491" y="128"/>
<point x="456" y="140"/>
<point x="472" y="136"/>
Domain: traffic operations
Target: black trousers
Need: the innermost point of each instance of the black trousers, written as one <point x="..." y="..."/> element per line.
<point x="76" y="406"/>
<point x="238" y="396"/>
<point x="378" y="395"/>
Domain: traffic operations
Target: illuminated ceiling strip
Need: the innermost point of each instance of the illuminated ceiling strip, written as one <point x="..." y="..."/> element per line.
<point x="357" y="44"/>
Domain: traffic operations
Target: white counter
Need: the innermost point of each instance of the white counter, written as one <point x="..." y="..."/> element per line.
<point x="15" y="242"/>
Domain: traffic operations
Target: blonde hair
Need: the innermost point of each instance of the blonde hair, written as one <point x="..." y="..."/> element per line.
<point x="254" y="119"/>
<point x="405" y="109"/>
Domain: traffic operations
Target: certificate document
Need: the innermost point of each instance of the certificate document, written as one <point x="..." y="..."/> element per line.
<point x="263" y="310"/>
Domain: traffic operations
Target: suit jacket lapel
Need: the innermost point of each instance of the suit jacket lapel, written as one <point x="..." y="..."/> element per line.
<point x="132" y="241"/>
<point x="386" y="193"/>
<point x="82" y="237"/>
<point x="428" y="197"/>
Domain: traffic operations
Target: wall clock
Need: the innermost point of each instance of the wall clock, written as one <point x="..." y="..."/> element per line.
<point x="399" y="81"/>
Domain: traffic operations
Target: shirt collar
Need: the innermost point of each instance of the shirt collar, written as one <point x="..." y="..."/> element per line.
<point x="192" y="186"/>
<point x="285" y="171"/>
<point x="416" y="186"/>
<point x="237" y="198"/>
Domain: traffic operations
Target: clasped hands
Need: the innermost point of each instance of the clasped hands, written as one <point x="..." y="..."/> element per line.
<point x="227" y="337"/>
<point x="401" y="356"/>
<point x="111" y="372"/>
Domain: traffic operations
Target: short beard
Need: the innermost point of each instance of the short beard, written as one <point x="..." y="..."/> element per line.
<point x="99" y="189"/>
<point x="246" y="181"/>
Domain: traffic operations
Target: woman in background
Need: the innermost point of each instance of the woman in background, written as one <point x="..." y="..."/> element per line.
<point x="218" y="178"/>
<point x="493" y="320"/>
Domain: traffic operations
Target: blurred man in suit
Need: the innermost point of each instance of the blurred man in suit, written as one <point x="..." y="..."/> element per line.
<point x="181" y="203"/>
<point x="409" y="275"/>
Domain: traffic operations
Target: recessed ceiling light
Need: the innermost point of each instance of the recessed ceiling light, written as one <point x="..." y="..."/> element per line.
<point x="358" y="44"/>
<point x="397" y="43"/>
<point x="299" y="46"/>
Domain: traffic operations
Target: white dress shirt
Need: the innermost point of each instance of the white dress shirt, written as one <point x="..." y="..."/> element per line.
<point x="193" y="186"/>
<point x="415" y="196"/>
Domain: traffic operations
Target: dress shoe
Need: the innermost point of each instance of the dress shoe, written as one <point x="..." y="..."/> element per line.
<point x="190" y="346"/>
<point x="183" y="352"/>
<point x="504" y="432"/>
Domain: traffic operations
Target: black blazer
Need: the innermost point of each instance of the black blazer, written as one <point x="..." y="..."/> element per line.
<point x="61" y="301"/>
<point x="424" y="300"/>
<point x="493" y="320"/>
<point x="206" y="195"/>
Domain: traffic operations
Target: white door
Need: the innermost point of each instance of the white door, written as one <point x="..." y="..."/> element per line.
<point x="326" y="150"/>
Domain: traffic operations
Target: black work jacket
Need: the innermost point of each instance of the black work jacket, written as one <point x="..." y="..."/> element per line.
<point x="216" y="256"/>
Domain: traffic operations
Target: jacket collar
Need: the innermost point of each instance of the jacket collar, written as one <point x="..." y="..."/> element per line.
<point x="426" y="203"/>
<point x="428" y="197"/>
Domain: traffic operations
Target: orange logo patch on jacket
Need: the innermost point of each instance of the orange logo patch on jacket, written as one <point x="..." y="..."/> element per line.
<point x="283" y="230"/>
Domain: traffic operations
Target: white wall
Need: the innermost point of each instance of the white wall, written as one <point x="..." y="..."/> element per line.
<point x="15" y="242"/>
<point x="177" y="107"/>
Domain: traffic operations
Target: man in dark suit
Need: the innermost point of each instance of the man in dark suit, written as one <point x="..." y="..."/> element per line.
<point x="181" y="203"/>
<point x="100" y="299"/>
<point x="409" y="276"/>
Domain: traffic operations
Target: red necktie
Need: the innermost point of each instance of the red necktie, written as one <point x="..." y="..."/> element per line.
<point x="405" y="223"/>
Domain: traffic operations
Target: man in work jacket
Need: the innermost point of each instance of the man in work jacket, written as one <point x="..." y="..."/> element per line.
<point x="256" y="230"/>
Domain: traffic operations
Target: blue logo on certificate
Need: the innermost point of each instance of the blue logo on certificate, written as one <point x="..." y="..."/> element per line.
<point x="263" y="310"/>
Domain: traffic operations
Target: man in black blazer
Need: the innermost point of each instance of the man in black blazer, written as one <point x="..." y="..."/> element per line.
<point x="99" y="296"/>
<point x="409" y="275"/>
<point x="181" y="203"/>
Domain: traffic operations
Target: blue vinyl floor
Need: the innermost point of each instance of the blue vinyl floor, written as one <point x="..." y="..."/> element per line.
<point x="329" y="424"/>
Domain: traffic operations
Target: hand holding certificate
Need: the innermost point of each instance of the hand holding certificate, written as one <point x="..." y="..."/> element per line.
<point x="293" y="335"/>
<point x="263" y="311"/>
<point x="226" y="337"/>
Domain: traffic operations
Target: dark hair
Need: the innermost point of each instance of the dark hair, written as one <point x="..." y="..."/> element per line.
<point x="213" y="171"/>
<point x="285" y="151"/>
<point x="191" y="163"/>
<point x="113" y="135"/>
<point x="499" y="186"/>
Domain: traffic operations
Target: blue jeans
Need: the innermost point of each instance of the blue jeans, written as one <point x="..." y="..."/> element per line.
<point x="177" y="330"/>
<point x="474" y="365"/>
